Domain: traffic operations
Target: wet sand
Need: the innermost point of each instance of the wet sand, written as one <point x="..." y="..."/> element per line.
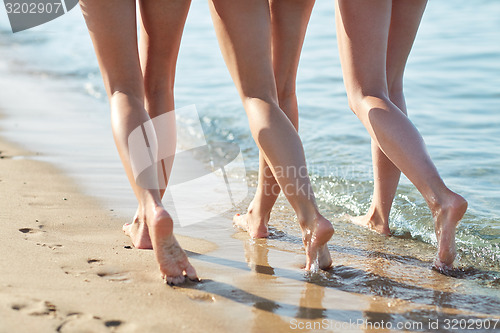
<point x="67" y="267"/>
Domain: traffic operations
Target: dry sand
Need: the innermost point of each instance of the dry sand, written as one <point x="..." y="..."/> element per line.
<point x="65" y="265"/>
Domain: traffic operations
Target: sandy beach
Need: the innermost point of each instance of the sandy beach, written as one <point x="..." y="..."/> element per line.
<point x="67" y="267"/>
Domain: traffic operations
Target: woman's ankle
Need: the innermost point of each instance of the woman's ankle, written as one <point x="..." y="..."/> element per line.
<point x="377" y="218"/>
<point x="262" y="204"/>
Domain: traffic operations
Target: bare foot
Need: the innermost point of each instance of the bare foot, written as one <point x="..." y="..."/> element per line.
<point x="171" y="257"/>
<point x="446" y="221"/>
<point x="315" y="242"/>
<point x="255" y="226"/>
<point x="373" y="224"/>
<point x="324" y="259"/>
<point x="139" y="233"/>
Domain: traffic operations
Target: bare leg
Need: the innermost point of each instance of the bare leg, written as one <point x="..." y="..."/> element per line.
<point x="162" y="25"/>
<point x="112" y="27"/>
<point x="243" y="29"/>
<point x="405" y="19"/>
<point x="289" y="21"/>
<point x="363" y="34"/>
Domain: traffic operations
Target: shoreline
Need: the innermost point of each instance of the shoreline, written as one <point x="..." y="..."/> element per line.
<point x="69" y="268"/>
<point x="73" y="269"/>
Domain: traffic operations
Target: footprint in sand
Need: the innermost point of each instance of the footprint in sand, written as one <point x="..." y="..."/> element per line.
<point x="94" y="262"/>
<point x="108" y="273"/>
<point x="112" y="274"/>
<point x="80" y="322"/>
<point x="37" y="233"/>
<point x="69" y="323"/>
<point x="197" y="295"/>
<point x="3" y="156"/>
<point x="33" y="307"/>
<point x="207" y="298"/>
<point x="97" y="267"/>
<point x="33" y="233"/>
<point x="50" y="246"/>
<point x="31" y="230"/>
<point x="53" y="246"/>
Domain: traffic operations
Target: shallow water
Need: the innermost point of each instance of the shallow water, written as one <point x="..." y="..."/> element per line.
<point x="453" y="95"/>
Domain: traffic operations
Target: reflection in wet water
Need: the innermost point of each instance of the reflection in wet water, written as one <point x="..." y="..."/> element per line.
<point x="256" y="255"/>
<point x="354" y="280"/>
<point x="377" y="280"/>
<point x="380" y="298"/>
<point x="311" y="297"/>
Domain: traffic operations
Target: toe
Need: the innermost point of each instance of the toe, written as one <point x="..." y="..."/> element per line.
<point x="178" y="279"/>
<point x="237" y="218"/>
<point x="126" y="228"/>
<point x="174" y="280"/>
<point x="191" y="273"/>
<point x="239" y="221"/>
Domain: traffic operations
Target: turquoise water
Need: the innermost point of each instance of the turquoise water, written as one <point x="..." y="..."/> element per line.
<point x="453" y="95"/>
